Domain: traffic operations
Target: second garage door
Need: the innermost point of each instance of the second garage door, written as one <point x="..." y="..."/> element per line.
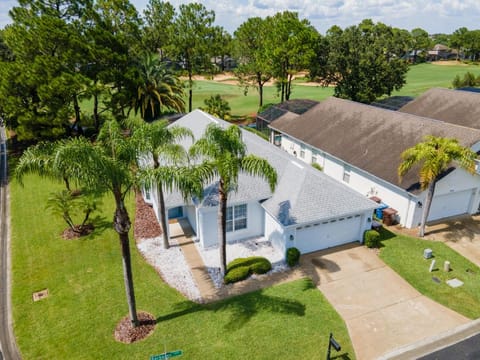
<point x="328" y="234"/>
<point x="450" y="204"/>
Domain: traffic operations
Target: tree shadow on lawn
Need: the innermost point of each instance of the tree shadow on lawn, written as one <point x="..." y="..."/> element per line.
<point x="100" y="224"/>
<point x="385" y="235"/>
<point x="242" y="308"/>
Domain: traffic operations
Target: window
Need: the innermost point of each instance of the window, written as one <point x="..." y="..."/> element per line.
<point x="302" y="152"/>
<point x="236" y="217"/>
<point x="314" y="157"/>
<point x="147" y="196"/>
<point x="346" y="174"/>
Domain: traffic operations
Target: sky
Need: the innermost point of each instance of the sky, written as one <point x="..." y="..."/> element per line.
<point x="435" y="16"/>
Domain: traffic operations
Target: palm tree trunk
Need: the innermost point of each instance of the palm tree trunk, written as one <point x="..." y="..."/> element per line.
<point x="222" y="228"/>
<point x="163" y="216"/>
<point x="426" y="208"/>
<point x="190" y="91"/>
<point x="121" y="223"/>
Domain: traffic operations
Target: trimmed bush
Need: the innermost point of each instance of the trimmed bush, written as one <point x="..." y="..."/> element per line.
<point x="371" y="238"/>
<point x="262" y="266"/>
<point x="241" y="268"/>
<point x="293" y="256"/>
<point x="236" y="274"/>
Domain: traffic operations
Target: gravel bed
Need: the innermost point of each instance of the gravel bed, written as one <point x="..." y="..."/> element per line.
<point x="171" y="264"/>
<point x="245" y="248"/>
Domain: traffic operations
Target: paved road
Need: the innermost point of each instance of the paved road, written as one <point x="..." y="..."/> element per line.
<point x="7" y="342"/>
<point x="468" y="349"/>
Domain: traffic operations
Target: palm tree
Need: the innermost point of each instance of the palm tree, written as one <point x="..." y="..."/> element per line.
<point x="157" y="144"/>
<point x="217" y="107"/>
<point x="158" y="89"/>
<point x="106" y="166"/>
<point x="434" y="155"/>
<point x="39" y="159"/>
<point x="225" y="151"/>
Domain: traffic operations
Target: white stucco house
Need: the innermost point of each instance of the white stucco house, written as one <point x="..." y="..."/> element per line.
<point x="308" y="209"/>
<point x="360" y="146"/>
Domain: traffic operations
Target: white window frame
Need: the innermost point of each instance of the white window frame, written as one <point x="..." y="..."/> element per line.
<point x="236" y="218"/>
<point x="302" y="151"/>
<point x="147" y="195"/>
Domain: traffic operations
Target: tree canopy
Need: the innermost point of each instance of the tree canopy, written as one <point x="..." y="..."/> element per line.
<point x="363" y="62"/>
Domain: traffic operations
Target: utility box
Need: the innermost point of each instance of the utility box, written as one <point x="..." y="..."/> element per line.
<point x="427" y="253"/>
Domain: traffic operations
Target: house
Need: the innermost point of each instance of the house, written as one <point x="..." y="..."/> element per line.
<point x="289" y="109"/>
<point x="361" y="145"/>
<point x="308" y="209"/>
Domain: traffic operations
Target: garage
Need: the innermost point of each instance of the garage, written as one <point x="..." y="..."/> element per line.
<point x="327" y="234"/>
<point x="451" y="204"/>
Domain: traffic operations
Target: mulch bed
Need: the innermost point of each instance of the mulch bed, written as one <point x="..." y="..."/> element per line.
<point x="146" y="224"/>
<point x="69" y="234"/>
<point x="126" y="333"/>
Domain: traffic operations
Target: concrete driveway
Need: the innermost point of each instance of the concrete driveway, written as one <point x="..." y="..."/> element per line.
<point x="381" y="310"/>
<point x="461" y="234"/>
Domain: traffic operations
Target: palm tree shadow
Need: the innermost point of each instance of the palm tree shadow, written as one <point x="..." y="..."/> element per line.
<point x="100" y="224"/>
<point x="242" y="308"/>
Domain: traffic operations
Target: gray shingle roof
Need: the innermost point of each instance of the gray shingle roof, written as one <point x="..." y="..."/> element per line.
<point x="303" y="194"/>
<point x="368" y="137"/>
<point x="452" y="106"/>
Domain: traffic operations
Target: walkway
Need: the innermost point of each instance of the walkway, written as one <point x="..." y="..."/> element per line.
<point x="182" y="232"/>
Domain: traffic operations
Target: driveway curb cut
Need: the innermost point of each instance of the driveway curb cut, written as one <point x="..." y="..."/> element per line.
<point x="434" y="343"/>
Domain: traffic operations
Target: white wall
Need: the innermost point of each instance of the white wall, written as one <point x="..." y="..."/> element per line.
<point x="191" y="213"/>
<point x="208" y="225"/>
<point x="275" y="233"/>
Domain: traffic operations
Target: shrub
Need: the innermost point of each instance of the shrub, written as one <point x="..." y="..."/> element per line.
<point x="241" y="268"/>
<point x="371" y="238"/>
<point x="261" y="266"/>
<point x="236" y="274"/>
<point x="293" y="256"/>
<point x="317" y="166"/>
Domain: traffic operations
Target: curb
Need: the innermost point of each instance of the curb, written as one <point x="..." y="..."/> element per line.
<point x="434" y="343"/>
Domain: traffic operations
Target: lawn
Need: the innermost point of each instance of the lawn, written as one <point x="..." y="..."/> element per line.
<point x="425" y="76"/>
<point x="245" y="105"/>
<point x="405" y="255"/>
<point x="87" y="299"/>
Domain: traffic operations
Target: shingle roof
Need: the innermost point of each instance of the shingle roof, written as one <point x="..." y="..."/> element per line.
<point x="452" y="106"/>
<point x="310" y="194"/>
<point x="368" y="137"/>
<point x="296" y="106"/>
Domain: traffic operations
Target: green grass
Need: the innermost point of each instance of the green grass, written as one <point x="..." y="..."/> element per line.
<point x="87" y="299"/>
<point x="425" y="76"/>
<point x="405" y="255"/>
<point x="246" y="105"/>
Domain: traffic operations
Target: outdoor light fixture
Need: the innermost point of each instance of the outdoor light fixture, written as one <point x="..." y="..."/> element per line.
<point x="291" y="237"/>
<point x="419" y="204"/>
<point x="332" y="343"/>
<point x="369" y="219"/>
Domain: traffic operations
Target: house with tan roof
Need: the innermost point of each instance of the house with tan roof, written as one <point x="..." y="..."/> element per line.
<point x="360" y="145"/>
<point x="308" y="210"/>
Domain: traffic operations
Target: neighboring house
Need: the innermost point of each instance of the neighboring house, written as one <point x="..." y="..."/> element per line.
<point x="289" y="109"/>
<point x="441" y="52"/>
<point x="361" y="146"/>
<point x="452" y="106"/>
<point x="308" y="210"/>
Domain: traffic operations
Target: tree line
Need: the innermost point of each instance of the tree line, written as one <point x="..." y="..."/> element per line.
<point x="70" y="63"/>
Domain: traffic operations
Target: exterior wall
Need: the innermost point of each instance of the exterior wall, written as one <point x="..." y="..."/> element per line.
<point x="275" y="233"/>
<point x="191" y="214"/>
<point x="208" y="228"/>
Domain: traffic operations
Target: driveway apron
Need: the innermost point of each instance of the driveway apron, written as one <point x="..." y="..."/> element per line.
<point x="381" y="310"/>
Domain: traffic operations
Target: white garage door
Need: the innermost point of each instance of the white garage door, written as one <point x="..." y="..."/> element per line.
<point x="451" y="204"/>
<point x="324" y="235"/>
